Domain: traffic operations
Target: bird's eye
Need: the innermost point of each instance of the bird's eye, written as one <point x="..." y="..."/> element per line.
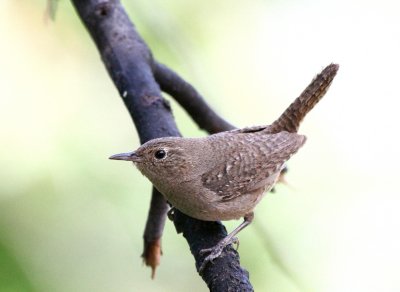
<point x="160" y="154"/>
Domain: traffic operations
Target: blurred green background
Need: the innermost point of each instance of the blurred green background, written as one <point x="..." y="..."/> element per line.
<point x="72" y="220"/>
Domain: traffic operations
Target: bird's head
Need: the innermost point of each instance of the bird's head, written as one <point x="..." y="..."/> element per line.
<point x="163" y="158"/>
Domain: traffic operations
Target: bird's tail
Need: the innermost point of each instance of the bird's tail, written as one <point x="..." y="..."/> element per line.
<point x="290" y="119"/>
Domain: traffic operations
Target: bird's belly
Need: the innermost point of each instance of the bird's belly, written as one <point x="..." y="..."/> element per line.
<point x="199" y="207"/>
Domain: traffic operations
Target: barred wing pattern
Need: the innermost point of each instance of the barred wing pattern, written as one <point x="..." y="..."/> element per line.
<point x="251" y="158"/>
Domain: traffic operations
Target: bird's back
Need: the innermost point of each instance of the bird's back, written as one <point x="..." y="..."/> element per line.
<point x="246" y="163"/>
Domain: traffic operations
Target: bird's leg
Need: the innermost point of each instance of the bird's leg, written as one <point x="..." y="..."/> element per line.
<point x="215" y="252"/>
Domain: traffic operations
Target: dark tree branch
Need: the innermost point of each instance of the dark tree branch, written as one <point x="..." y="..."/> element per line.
<point x="188" y="97"/>
<point x="129" y="63"/>
<point x="154" y="230"/>
<point x="201" y="234"/>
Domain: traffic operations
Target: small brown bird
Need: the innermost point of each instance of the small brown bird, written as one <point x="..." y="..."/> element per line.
<point x="225" y="175"/>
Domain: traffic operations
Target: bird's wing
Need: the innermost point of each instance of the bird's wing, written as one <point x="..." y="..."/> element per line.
<point x="252" y="129"/>
<point x="248" y="160"/>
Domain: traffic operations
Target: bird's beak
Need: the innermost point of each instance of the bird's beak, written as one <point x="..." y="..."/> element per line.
<point x="131" y="156"/>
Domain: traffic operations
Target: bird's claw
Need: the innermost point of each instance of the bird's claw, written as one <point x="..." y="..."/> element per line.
<point x="215" y="252"/>
<point x="171" y="214"/>
<point x="235" y="240"/>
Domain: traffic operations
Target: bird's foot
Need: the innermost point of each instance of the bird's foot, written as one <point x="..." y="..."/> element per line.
<point x="171" y="214"/>
<point x="215" y="252"/>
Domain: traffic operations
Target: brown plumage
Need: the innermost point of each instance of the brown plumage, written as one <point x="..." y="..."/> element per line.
<point x="224" y="176"/>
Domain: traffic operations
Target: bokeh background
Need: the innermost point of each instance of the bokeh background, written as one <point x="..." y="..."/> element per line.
<point x="72" y="220"/>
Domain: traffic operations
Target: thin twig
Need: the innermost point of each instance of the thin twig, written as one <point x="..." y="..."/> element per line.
<point x="190" y="99"/>
<point x="153" y="231"/>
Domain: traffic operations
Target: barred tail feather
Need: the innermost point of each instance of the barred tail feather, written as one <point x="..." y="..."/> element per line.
<point x="290" y="119"/>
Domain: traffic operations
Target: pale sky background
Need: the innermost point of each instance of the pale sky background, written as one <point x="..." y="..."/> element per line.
<point x="71" y="220"/>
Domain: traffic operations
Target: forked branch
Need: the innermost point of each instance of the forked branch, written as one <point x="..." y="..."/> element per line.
<point x="130" y="65"/>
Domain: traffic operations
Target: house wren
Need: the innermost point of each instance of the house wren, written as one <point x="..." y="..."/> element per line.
<point x="225" y="175"/>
